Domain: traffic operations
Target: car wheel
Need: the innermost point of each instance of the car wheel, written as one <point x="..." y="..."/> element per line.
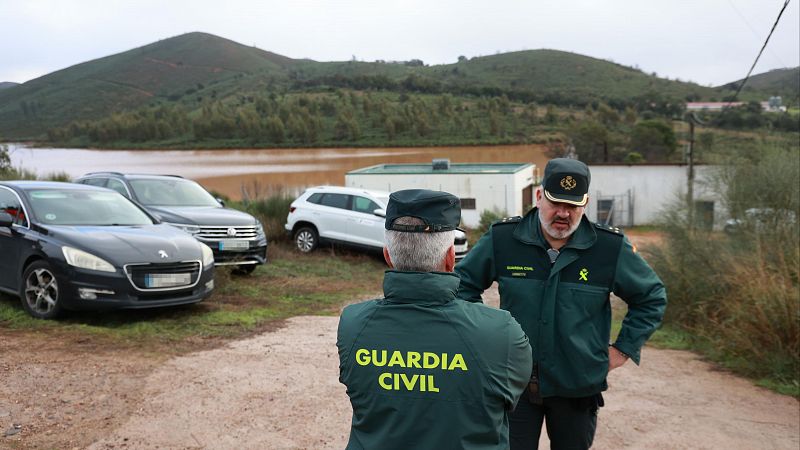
<point x="39" y="291"/>
<point x="244" y="269"/>
<point x="306" y="239"/>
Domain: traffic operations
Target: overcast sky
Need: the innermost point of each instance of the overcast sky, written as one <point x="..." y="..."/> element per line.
<point x="706" y="41"/>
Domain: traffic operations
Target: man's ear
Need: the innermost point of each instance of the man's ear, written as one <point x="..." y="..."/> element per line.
<point x="450" y="259"/>
<point x="538" y="197"/>
<point x="387" y="258"/>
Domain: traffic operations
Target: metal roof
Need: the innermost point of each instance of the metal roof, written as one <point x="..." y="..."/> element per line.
<point x="455" y="169"/>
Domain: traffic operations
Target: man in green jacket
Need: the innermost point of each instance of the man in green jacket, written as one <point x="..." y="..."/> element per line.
<point x="555" y="271"/>
<point x="423" y="370"/>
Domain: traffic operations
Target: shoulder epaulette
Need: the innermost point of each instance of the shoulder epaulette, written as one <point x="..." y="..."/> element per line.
<point x="505" y="220"/>
<point x="608" y="228"/>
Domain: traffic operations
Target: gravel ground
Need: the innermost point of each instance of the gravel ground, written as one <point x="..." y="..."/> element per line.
<point x="280" y="391"/>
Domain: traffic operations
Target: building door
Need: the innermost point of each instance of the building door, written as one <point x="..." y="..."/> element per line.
<point x="616" y="210"/>
<point x="527" y="199"/>
<point x="704" y="214"/>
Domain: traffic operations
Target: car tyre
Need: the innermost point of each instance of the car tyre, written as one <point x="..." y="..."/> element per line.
<point x="306" y="239"/>
<point x="39" y="291"/>
<point x="244" y="269"/>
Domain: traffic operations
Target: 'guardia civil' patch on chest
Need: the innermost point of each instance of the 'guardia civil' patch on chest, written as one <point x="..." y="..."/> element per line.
<point x="532" y="266"/>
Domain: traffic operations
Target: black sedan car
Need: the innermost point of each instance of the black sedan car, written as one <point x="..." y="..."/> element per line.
<point x="236" y="237"/>
<point x="67" y="246"/>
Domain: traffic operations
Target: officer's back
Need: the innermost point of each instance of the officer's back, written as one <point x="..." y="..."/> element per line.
<point x="422" y="369"/>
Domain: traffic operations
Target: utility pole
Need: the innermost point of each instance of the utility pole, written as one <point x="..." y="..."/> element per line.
<point x="692" y="119"/>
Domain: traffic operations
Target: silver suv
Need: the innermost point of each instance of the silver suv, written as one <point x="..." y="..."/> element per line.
<point x="344" y="215"/>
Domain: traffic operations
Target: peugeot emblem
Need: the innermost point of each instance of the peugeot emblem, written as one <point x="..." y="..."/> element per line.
<point x="231" y="231"/>
<point x="163" y="254"/>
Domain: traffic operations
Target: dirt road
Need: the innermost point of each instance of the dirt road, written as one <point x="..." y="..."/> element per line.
<point x="280" y="391"/>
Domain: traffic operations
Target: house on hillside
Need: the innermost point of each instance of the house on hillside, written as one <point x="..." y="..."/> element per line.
<point x="772" y="105"/>
<point x="504" y="187"/>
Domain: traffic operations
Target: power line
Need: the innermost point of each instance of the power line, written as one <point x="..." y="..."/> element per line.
<point x="744" y="81"/>
<point x="755" y="34"/>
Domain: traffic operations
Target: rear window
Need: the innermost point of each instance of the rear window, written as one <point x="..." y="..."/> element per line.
<point x="315" y="198"/>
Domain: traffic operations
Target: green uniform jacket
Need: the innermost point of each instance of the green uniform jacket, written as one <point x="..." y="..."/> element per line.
<point x="564" y="308"/>
<point x="425" y="371"/>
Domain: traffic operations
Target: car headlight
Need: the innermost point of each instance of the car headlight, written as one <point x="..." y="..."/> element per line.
<point x="208" y="255"/>
<point x="259" y="228"/>
<point x="191" y="229"/>
<point x="79" y="258"/>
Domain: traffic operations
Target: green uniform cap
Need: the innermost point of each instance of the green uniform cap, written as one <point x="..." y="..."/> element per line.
<point x="567" y="181"/>
<point x="441" y="211"/>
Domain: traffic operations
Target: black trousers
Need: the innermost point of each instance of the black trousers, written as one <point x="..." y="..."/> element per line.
<point x="571" y="422"/>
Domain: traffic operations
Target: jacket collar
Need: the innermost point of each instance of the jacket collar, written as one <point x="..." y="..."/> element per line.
<point x="529" y="231"/>
<point x="420" y="287"/>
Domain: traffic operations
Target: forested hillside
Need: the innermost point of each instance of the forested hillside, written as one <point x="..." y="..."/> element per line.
<point x="194" y="70"/>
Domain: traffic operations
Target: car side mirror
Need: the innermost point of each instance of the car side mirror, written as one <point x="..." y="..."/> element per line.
<point x="380" y="212"/>
<point x="6" y="220"/>
<point x="221" y="201"/>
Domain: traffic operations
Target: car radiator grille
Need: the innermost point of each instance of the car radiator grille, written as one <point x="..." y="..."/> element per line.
<point x="460" y="241"/>
<point x="224" y="232"/>
<point x="139" y="273"/>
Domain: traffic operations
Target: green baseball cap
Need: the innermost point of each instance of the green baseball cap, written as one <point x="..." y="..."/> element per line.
<point x="567" y="181"/>
<point x="441" y="211"/>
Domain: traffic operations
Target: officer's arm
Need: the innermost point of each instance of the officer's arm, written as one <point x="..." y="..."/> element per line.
<point x="477" y="270"/>
<point x="520" y="363"/>
<point x="639" y="286"/>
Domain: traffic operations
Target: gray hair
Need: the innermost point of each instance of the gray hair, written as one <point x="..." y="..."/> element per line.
<point x="418" y="252"/>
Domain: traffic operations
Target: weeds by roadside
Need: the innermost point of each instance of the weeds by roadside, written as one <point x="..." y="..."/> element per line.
<point x="735" y="297"/>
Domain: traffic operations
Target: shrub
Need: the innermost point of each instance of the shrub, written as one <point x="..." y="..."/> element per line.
<point x="488" y="217"/>
<point x="738" y="295"/>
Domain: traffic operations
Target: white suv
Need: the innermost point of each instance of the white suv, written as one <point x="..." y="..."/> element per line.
<point x="344" y="215"/>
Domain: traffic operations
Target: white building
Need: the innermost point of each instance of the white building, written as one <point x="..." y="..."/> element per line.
<point x="504" y="187"/>
<point x="626" y="195"/>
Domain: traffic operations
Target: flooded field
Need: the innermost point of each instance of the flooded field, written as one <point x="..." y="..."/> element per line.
<point x="229" y="171"/>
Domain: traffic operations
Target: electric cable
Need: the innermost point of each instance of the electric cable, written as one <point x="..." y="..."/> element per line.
<point x="744" y="81"/>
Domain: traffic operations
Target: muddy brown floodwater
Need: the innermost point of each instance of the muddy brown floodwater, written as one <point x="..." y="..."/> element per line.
<point x="227" y="171"/>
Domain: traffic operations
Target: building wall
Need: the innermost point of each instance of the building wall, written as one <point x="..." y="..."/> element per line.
<point x="500" y="191"/>
<point x="653" y="188"/>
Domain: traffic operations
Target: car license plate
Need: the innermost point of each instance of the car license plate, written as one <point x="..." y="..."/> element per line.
<point x="233" y="244"/>
<point x="161" y="280"/>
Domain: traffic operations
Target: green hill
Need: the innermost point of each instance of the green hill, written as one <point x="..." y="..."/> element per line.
<point x="195" y="69"/>
<point x="564" y="73"/>
<point x="7" y="84"/>
<point x="163" y="71"/>
<point x="783" y="82"/>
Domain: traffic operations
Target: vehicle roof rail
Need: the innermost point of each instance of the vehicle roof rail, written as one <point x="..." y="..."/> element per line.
<point x="105" y="172"/>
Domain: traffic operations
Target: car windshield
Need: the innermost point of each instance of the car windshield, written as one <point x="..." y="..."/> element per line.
<point x="177" y="192"/>
<point x="85" y="207"/>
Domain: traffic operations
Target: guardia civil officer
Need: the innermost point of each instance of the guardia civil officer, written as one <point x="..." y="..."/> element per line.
<point x="555" y="271"/>
<point x="423" y="370"/>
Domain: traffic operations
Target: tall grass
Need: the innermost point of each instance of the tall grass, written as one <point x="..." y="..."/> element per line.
<point x="270" y="205"/>
<point x="737" y="293"/>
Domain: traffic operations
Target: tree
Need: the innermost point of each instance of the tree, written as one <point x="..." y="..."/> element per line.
<point x="5" y="159"/>
<point x="654" y="140"/>
<point x="591" y="140"/>
<point x="275" y="129"/>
